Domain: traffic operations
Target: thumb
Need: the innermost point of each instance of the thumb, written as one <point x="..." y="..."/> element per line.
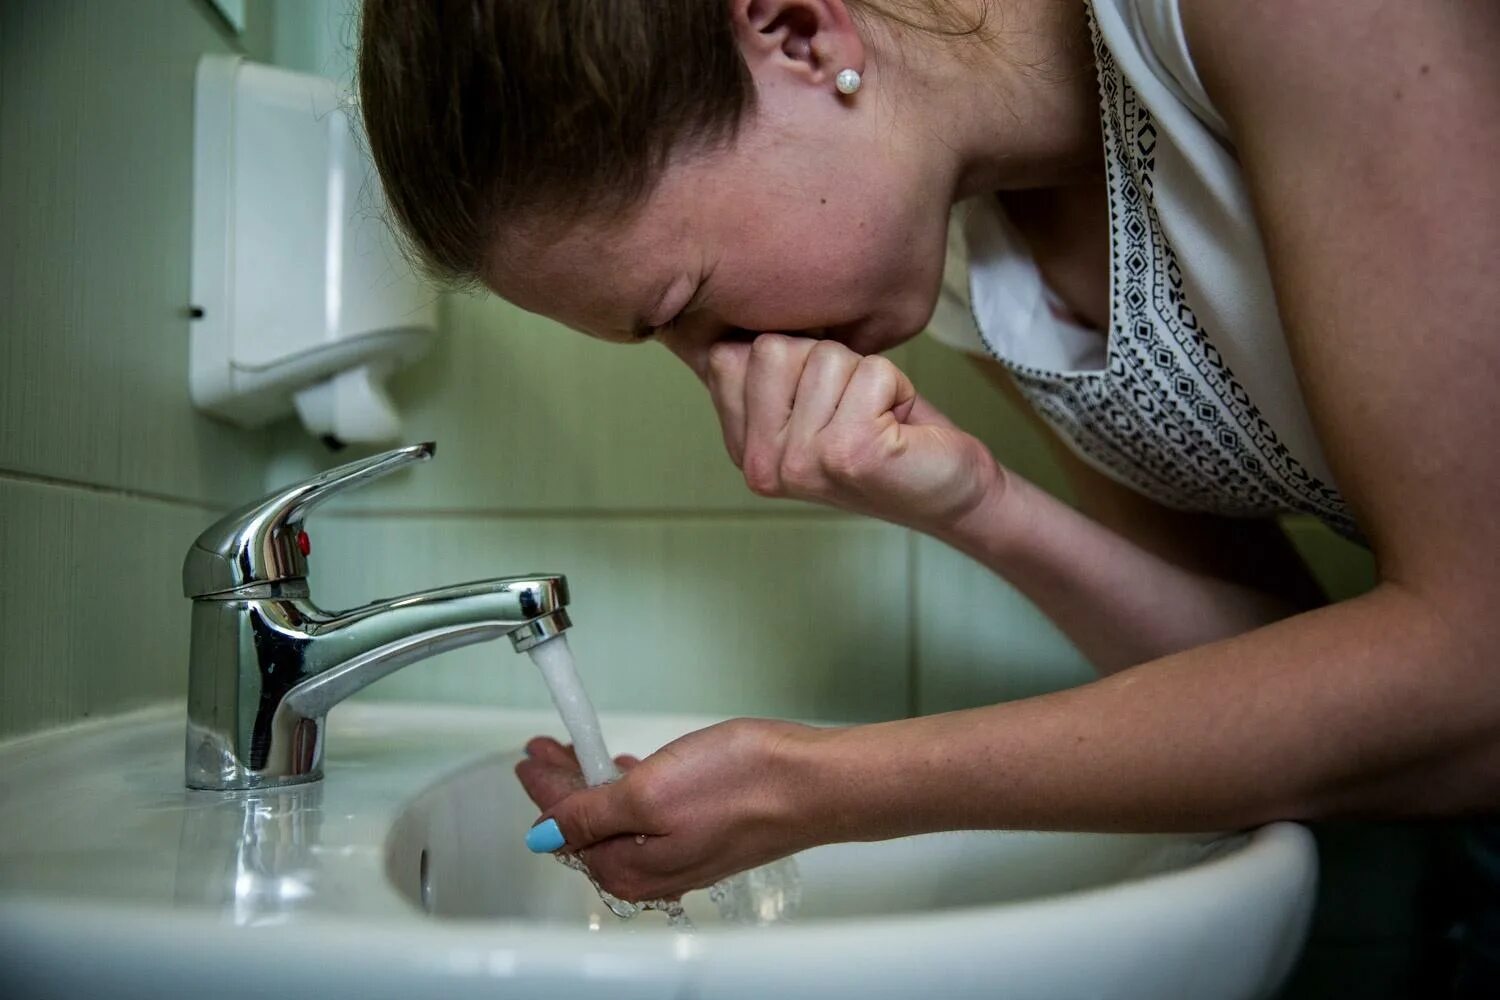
<point x="878" y="387"/>
<point x="924" y="414"/>
<point x="581" y="820"/>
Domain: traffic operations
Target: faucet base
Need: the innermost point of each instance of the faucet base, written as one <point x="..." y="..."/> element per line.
<point x="267" y="669"/>
<point x="212" y="764"/>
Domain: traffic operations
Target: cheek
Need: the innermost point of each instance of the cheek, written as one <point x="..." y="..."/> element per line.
<point x="890" y="253"/>
<point x="829" y="248"/>
<point x="824" y="273"/>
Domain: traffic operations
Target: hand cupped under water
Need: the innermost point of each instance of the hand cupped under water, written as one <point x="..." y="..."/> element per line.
<point x="706" y="806"/>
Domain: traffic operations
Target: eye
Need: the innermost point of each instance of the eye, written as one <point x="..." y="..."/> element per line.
<point x="644" y="332"/>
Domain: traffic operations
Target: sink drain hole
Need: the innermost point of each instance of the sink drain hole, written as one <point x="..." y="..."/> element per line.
<point x="424" y="876"/>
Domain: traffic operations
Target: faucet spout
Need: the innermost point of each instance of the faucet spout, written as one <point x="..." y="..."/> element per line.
<point x="349" y="651"/>
<point x="256" y="705"/>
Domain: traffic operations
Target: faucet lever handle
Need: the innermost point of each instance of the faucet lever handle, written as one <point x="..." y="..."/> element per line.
<point x="259" y="542"/>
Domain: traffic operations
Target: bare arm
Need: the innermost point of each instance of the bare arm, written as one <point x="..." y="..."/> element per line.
<point x="1369" y="133"/>
<point x="1127" y="579"/>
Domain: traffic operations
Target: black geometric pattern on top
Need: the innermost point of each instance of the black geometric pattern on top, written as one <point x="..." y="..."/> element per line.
<point x="1166" y="416"/>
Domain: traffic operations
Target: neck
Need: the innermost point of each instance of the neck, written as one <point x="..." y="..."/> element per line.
<point x="1011" y="108"/>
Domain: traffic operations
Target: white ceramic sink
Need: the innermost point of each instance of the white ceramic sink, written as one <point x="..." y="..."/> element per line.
<point x="403" y="874"/>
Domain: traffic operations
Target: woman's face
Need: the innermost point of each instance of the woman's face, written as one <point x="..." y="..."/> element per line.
<point x="819" y="220"/>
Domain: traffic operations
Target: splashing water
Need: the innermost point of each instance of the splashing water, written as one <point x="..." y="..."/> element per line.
<point x="676" y="916"/>
<point x="761" y="896"/>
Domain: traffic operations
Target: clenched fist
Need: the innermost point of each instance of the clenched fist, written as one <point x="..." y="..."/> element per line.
<point x="813" y="420"/>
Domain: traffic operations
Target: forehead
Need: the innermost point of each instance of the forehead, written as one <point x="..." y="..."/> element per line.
<point x="597" y="273"/>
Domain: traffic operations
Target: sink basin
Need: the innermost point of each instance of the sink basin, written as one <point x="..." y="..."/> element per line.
<point x="403" y="874"/>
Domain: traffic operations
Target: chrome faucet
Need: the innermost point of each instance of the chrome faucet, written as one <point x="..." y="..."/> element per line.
<point x="267" y="663"/>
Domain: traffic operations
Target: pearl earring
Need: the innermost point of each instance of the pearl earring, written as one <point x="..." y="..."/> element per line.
<point x="847" y="81"/>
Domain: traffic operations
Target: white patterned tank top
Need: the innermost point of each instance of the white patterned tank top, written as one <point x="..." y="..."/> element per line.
<point x="1190" y="397"/>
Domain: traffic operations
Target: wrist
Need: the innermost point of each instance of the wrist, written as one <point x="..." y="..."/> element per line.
<point x="988" y="527"/>
<point x="809" y="765"/>
<point x="851" y="783"/>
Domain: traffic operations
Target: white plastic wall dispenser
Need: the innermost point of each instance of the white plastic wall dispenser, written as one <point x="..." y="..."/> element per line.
<point x="301" y="300"/>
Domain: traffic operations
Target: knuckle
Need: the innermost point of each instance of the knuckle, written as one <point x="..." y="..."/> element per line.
<point x="720" y="360"/>
<point x="799" y="472"/>
<point x="769" y="347"/>
<point x="761" y="474"/>
<point x="763" y="487"/>
<point x="644" y="803"/>
<point x="578" y="828"/>
<point x="879" y="367"/>
<point x="827" y="352"/>
<point x="733" y="731"/>
<point x="844" y="461"/>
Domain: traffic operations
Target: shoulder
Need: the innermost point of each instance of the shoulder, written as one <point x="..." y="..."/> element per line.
<point x="1303" y="58"/>
<point x="1368" y="131"/>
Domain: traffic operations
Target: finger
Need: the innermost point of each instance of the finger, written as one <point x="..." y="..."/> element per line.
<point x="877" y="387"/>
<point x="550" y="751"/>
<point x="771" y="380"/>
<point x="924" y="414"/>
<point x="727" y="361"/>
<point x="825" y="376"/>
<point x="589" y="816"/>
<point x="626" y="761"/>
<point x="547" y="784"/>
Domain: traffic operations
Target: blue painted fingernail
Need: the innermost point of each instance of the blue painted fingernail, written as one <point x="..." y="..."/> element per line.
<point x="544" y="838"/>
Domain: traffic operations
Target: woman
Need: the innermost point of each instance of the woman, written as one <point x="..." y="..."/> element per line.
<point x="1240" y="257"/>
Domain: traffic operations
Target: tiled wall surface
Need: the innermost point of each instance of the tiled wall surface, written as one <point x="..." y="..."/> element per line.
<point x="804" y="617"/>
<point x="557" y="452"/>
<point x="106" y="472"/>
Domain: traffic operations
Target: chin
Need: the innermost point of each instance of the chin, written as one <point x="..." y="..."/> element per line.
<point x="905" y="326"/>
<point x="886" y="331"/>
<point x="875" y="339"/>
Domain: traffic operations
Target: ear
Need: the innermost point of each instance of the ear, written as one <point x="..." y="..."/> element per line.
<point x="811" y="40"/>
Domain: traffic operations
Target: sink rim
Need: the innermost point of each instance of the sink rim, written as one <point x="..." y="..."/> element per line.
<point x="1282" y="843"/>
<point x="1285" y="843"/>
<point x="1286" y="846"/>
<point x="1271" y="877"/>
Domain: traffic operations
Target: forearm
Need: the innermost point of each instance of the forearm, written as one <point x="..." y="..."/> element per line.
<point x="1119" y="603"/>
<point x="1376" y="706"/>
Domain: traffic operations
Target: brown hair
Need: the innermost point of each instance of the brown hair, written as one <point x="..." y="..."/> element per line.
<point x="476" y="109"/>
